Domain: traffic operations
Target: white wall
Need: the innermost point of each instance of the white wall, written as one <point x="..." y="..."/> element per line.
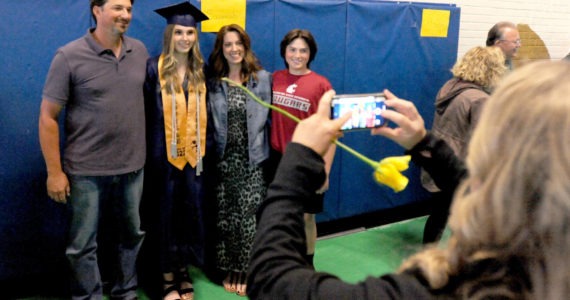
<point x="549" y="19"/>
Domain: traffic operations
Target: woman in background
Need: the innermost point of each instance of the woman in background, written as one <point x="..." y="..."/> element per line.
<point x="176" y="116"/>
<point x="457" y="109"/>
<point x="241" y="134"/>
<point x="297" y="90"/>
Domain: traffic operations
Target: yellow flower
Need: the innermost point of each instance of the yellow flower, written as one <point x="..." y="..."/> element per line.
<point x="388" y="172"/>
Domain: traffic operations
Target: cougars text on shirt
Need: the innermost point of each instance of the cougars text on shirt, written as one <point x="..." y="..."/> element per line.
<point x="291" y="101"/>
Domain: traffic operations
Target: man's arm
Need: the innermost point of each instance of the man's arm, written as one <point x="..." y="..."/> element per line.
<point x="57" y="182"/>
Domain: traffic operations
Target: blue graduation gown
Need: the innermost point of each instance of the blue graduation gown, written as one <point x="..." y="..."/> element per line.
<point x="176" y="195"/>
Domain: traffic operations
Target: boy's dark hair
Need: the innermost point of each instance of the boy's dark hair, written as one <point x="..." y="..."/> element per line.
<point x="306" y="36"/>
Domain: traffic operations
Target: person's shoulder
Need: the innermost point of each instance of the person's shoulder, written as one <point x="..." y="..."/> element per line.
<point x="471" y="91"/>
<point x="263" y="75"/>
<point x="73" y="46"/>
<point x="280" y="73"/>
<point x="320" y="77"/>
<point x="320" y="80"/>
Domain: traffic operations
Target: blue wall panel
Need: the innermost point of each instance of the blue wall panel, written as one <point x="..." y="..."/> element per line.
<point x="326" y="20"/>
<point x="364" y="46"/>
<point x="384" y="49"/>
<point x="29" y="222"/>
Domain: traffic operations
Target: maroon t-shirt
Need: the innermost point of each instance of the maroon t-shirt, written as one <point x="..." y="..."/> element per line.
<point x="298" y="95"/>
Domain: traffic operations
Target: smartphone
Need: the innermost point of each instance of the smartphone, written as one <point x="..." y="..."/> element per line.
<point x="366" y="110"/>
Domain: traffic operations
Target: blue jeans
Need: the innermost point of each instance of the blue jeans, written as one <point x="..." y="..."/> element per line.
<point x="122" y="194"/>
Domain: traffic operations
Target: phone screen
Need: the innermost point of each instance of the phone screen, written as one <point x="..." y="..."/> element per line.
<point x="366" y="110"/>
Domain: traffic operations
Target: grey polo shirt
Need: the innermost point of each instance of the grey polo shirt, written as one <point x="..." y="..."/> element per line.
<point x="104" y="105"/>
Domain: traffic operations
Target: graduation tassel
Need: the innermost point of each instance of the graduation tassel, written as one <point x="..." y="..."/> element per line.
<point x="173" y="146"/>
<point x="199" y="166"/>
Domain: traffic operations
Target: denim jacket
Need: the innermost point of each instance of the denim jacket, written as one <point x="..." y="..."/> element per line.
<point x="258" y="122"/>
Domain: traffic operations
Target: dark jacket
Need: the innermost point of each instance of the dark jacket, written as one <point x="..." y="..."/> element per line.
<point x="278" y="268"/>
<point x="457" y="109"/>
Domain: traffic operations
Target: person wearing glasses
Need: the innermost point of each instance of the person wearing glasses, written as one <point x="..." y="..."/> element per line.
<point x="505" y="35"/>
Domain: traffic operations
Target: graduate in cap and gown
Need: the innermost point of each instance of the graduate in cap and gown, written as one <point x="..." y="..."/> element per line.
<point x="176" y="120"/>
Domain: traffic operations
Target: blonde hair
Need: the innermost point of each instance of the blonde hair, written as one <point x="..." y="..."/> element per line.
<point x="194" y="70"/>
<point x="484" y="66"/>
<point x="514" y="209"/>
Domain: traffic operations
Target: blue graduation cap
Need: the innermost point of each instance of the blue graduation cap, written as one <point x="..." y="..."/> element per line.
<point x="184" y="14"/>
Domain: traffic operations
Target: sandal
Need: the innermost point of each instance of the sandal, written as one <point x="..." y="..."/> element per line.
<point x="173" y="287"/>
<point x="182" y="277"/>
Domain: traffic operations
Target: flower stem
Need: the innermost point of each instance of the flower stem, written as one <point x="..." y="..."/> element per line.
<point x="365" y="159"/>
<point x="292" y="117"/>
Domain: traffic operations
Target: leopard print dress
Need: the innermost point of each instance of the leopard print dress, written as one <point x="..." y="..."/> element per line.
<point x="240" y="190"/>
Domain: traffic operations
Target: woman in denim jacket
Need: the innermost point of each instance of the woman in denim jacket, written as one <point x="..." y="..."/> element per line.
<point x="241" y="135"/>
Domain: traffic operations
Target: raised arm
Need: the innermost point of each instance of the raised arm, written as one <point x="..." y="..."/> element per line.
<point x="278" y="269"/>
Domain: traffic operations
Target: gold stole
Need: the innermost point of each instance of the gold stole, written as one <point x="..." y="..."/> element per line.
<point x="191" y="120"/>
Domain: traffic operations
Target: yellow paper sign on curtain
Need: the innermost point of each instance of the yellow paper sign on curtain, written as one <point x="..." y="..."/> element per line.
<point x="435" y="23"/>
<point x="223" y="13"/>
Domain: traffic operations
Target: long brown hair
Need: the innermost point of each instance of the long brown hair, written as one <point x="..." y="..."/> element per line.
<point x="514" y="209"/>
<point x="195" y="65"/>
<point x="217" y="62"/>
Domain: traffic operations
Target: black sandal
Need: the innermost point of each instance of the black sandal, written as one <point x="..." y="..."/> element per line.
<point x="182" y="276"/>
<point x="173" y="287"/>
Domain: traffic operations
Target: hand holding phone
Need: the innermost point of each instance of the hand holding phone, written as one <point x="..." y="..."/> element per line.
<point x="366" y="110"/>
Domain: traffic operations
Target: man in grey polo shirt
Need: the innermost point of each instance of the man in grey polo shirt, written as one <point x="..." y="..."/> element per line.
<point x="99" y="79"/>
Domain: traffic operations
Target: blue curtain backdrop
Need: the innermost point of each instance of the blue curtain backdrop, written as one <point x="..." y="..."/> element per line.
<point x="363" y="46"/>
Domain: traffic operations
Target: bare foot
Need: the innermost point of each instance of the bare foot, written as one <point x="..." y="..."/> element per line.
<point x="172" y="295"/>
<point x="229" y="282"/>
<point x="186" y="289"/>
<point x="235" y="281"/>
<point x="242" y="284"/>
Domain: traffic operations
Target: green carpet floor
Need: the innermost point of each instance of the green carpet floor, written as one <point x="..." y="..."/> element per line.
<point x="352" y="257"/>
